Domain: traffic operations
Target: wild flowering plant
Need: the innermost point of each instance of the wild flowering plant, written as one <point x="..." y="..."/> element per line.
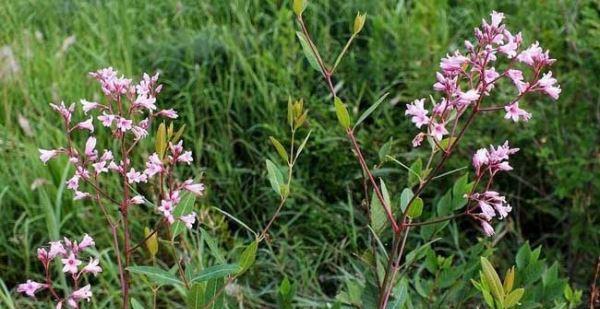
<point x="127" y="113"/>
<point x="69" y="253"/>
<point x="466" y="79"/>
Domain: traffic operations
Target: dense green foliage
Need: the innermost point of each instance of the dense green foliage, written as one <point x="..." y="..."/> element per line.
<point x="229" y="68"/>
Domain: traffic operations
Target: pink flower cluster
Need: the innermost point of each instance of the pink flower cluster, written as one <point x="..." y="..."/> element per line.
<point x="488" y="162"/>
<point x="128" y="113"/>
<point x="474" y="71"/>
<point x="69" y="253"/>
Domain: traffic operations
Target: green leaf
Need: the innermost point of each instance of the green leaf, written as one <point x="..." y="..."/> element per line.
<point x="513" y="298"/>
<point x="302" y="145"/>
<point x="405" y="197"/>
<point x="285" y="294"/>
<point x="308" y="52"/>
<point x="378" y="216"/>
<point x="217" y="271"/>
<point x="280" y="149"/>
<point x="342" y="113"/>
<point x="275" y="177"/>
<point x="370" y="110"/>
<point x="185" y="207"/>
<point x="178" y="134"/>
<point x="415" y="172"/>
<point x="152" y="241"/>
<point x="135" y="304"/>
<point x="523" y="255"/>
<point x="195" y="296"/>
<point x="212" y="245"/>
<point x="492" y="279"/>
<point x="155" y="274"/>
<point x="416" y="209"/>
<point x="400" y="294"/>
<point x="213" y="294"/>
<point x="460" y="188"/>
<point x="509" y="280"/>
<point x="248" y="257"/>
<point x="161" y="140"/>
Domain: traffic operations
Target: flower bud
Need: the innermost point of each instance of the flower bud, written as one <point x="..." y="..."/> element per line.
<point x="299" y="6"/>
<point x="359" y="22"/>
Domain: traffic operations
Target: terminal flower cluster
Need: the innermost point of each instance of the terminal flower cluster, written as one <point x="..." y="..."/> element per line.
<point x="466" y="79"/>
<point x="127" y="114"/>
<point x="69" y="254"/>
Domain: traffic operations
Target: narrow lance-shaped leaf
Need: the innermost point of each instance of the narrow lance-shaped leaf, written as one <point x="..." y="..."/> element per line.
<point x="161" y="140"/>
<point x="370" y="110"/>
<point x="216" y="271"/>
<point x="280" y="149"/>
<point x="248" y="257"/>
<point x="151" y="242"/>
<point x="195" y="296"/>
<point x="513" y="298"/>
<point x="342" y="113"/>
<point x="274" y="175"/>
<point x="185" y="207"/>
<point x="155" y="274"/>
<point x="308" y="52"/>
<point x="492" y="279"/>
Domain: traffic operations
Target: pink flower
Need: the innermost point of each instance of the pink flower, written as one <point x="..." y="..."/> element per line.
<point x="497" y="18"/>
<point x="64" y="111"/>
<point x="176" y="149"/>
<point x="73" y="182"/>
<point x="418" y="112"/>
<point x="440" y="108"/>
<point x="70" y="264"/>
<point x="511" y="46"/>
<point x="452" y="65"/>
<point x="136" y="177"/>
<point x="487" y="228"/>
<point x="88" y="106"/>
<point x="186" y="157"/>
<point x="466" y="98"/>
<point x="168" y="113"/>
<point x="517" y="78"/>
<point x="86" y="125"/>
<point x="138" y="199"/>
<point x="124" y="124"/>
<point x="47" y="155"/>
<point x="100" y="167"/>
<point x="42" y="255"/>
<point x="90" y="146"/>
<point x="438" y="130"/>
<point x="56" y="249"/>
<point x="480" y="158"/>
<point x="145" y="101"/>
<point x="92" y="267"/>
<point x="80" y="195"/>
<point x="106" y="119"/>
<point x="535" y="56"/>
<point x="487" y="211"/>
<point x="196" y="188"/>
<point x="30" y="287"/>
<point x="83" y="293"/>
<point x="87" y="241"/>
<point x="166" y="206"/>
<point x="154" y="165"/>
<point x="189" y="219"/>
<point x="546" y="84"/>
<point x="515" y="113"/>
<point x="418" y="139"/>
<point x="445" y="84"/>
<point x="489" y="201"/>
<point x="139" y="132"/>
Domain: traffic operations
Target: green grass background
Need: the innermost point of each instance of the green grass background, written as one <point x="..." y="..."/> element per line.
<point x="229" y="67"/>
